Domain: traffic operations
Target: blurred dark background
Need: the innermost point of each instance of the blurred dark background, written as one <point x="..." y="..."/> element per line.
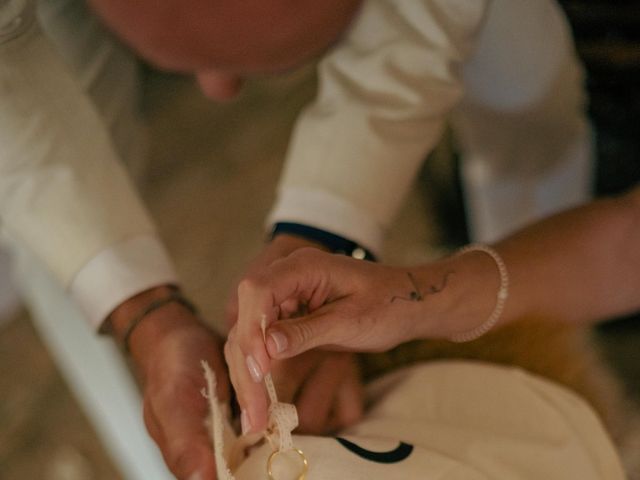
<point x="608" y="40"/>
<point x="607" y="37"/>
<point x="607" y="34"/>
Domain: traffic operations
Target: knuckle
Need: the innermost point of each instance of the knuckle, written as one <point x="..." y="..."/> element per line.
<point x="304" y="254"/>
<point x="150" y="423"/>
<point x="303" y="334"/>
<point x="250" y="284"/>
<point x="233" y="334"/>
<point x="177" y="458"/>
<point x="227" y="351"/>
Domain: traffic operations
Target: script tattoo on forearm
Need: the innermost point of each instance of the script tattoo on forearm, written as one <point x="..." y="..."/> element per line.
<point x="416" y="295"/>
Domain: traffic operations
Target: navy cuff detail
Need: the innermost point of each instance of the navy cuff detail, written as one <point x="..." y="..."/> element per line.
<point x="331" y="241"/>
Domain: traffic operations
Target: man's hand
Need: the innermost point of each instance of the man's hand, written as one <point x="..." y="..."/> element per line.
<point x="280" y="247"/>
<point x="167" y="347"/>
<point x="324" y="386"/>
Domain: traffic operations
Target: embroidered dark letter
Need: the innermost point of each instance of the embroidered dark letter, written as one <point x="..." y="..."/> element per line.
<point x="396" y="455"/>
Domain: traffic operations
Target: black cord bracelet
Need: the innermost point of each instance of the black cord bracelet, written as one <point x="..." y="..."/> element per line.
<point x="175" y="296"/>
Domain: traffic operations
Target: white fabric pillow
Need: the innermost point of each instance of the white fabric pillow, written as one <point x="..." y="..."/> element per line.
<point x="455" y="420"/>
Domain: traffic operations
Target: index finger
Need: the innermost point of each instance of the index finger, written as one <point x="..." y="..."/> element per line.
<point x="300" y="276"/>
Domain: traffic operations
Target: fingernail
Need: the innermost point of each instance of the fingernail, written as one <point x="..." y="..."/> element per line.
<point x="195" y="476"/>
<point x="254" y="369"/>
<point x="280" y="341"/>
<point x="245" y="423"/>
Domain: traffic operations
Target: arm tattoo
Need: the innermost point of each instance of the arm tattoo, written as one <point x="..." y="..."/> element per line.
<point x="416" y="296"/>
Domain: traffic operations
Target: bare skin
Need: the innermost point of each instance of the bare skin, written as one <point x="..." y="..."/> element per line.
<point x="329" y="395"/>
<point x="221" y="43"/>
<point x="580" y="266"/>
<point x="167" y="347"/>
<point x="416" y="295"/>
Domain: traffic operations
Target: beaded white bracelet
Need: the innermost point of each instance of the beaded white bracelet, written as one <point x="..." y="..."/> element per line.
<point x="503" y="293"/>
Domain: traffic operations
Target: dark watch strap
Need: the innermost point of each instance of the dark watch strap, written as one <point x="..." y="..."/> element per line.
<point x="331" y="241"/>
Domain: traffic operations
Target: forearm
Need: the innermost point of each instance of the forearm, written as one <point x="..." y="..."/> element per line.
<point x="120" y="319"/>
<point x="579" y="266"/>
<point x="582" y="266"/>
<point x="168" y="321"/>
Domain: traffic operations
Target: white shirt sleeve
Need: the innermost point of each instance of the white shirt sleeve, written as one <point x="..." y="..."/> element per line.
<point x="63" y="193"/>
<point x="383" y="97"/>
<point x="119" y="272"/>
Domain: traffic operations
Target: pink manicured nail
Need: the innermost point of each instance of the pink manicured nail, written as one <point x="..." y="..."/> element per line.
<point x="196" y="476"/>
<point x="280" y="341"/>
<point x="254" y="369"/>
<point x="245" y="423"/>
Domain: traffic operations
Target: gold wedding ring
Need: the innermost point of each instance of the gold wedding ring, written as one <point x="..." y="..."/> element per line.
<point x="272" y="457"/>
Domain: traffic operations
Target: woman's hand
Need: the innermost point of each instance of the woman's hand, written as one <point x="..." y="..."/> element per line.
<point x="324" y="386"/>
<point x="351" y="305"/>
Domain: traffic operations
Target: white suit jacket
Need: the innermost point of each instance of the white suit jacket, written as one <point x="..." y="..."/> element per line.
<point x="63" y="191"/>
<point x="384" y="92"/>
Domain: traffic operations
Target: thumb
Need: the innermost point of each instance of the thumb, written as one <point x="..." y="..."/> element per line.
<point x="291" y="337"/>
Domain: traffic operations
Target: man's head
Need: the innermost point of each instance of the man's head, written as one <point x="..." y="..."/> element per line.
<point x="222" y="41"/>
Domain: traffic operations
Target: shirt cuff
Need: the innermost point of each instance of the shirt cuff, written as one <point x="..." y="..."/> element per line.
<point x="329" y="212"/>
<point x="118" y="273"/>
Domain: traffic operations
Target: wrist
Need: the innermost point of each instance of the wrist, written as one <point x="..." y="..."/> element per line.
<point x="285" y="243"/>
<point x="144" y="320"/>
<point x="119" y="319"/>
<point x="460" y="294"/>
<point x="426" y="298"/>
